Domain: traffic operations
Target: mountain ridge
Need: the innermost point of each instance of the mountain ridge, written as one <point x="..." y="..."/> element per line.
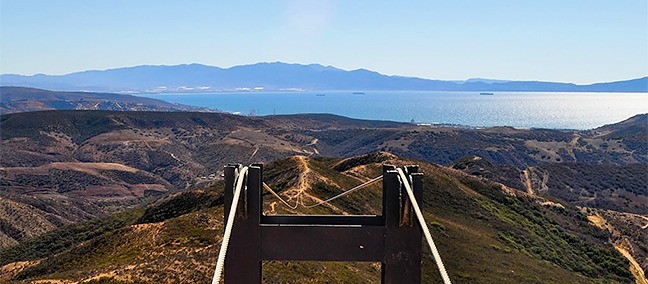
<point x="275" y="76"/>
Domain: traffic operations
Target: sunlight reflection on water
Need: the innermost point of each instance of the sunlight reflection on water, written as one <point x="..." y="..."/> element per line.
<point x="543" y="110"/>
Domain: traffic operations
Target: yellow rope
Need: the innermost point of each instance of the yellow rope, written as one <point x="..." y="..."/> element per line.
<point x="437" y="257"/>
<point x="228" y="228"/>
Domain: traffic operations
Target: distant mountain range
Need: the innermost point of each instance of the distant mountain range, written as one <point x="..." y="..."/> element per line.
<point x="278" y="76"/>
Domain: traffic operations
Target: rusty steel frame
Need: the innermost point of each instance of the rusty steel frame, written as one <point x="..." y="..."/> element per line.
<point x="393" y="238"/>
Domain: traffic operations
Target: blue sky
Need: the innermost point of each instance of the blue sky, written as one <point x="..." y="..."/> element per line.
<point x="568" y="41"/>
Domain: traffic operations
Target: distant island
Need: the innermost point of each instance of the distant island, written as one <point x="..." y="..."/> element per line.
<point x="278" y="76"/>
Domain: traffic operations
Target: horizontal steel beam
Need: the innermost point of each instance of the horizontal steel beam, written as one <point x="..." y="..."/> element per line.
<point x="322" y="243"/>
<point x="360" y="220"/>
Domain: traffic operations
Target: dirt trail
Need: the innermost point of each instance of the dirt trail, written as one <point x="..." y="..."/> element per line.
<point x="90" y="168"/>
<point x="10" y="270"/>
<point x="635" y="268"/>
<point x="599" y="221"/>
<point x="299" y="193"/>
<point x="256" y="149"/>
<point x="543" y="184"/>
<point x="165" y="151"/>
<point x="574" y="144"/>
<point x="302" y="183"/>
<point x="574" y="141"/>
<point x="527" y="181"/>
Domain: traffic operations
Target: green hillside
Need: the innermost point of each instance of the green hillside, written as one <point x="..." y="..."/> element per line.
<point x="485" y="233"/>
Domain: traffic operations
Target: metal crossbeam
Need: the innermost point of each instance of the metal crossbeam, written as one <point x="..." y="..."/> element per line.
<point x="392" y="238"/>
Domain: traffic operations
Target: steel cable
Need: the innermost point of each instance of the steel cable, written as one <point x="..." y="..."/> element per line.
<point x="345" y="192"/>
<point x="349" y="191"/>
<point x="266" y="187"/>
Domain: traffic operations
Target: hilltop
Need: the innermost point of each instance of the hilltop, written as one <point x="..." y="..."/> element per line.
<point x="485" y="232"/>
<point x="275" y="76"/>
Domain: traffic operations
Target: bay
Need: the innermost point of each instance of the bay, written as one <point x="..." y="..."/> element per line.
<point x="517" y="109"/>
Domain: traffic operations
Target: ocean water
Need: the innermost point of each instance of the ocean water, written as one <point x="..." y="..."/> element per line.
<point x="517" y="109"/>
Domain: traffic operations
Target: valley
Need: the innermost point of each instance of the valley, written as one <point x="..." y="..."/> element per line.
<point x="508" y="237"/>
<point x="72" y="181"/>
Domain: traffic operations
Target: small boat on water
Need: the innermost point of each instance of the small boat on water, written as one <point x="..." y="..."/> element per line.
<point x="358" y="93"/>
<point x="486" y="94"/>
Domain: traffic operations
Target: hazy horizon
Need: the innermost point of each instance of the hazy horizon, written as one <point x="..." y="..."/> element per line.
<point x="306" y="64"/>
<point x="582" y="42"/>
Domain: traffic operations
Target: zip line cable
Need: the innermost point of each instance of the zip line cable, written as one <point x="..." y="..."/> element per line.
<point x="345" y="193"/>
<point x="266" y="187"/>
<point x="349" y="191"/>
<point x="437" y="257"/>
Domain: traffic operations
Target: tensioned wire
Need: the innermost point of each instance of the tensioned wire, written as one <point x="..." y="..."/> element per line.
<point x="346" y="192"/>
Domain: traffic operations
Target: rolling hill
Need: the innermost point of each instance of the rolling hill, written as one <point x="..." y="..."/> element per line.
<point x="282" y="76"/>
<point x="485" y="232"/>
<point x="614" y="187"/>
<point x="68" y="177"/>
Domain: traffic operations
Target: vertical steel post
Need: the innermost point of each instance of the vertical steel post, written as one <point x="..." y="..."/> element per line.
<point x="402" y="263"/>
<point x="243" y="261"/>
